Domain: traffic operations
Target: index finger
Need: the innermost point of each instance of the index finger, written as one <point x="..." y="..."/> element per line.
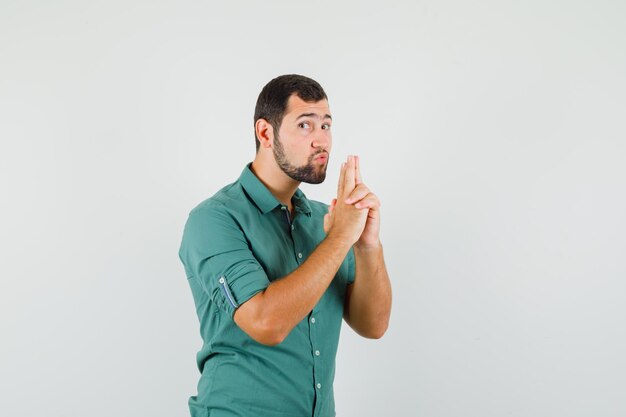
<point x="341" y="180"/>
<point x="349" y="177"/>
<point x="358" y="171"/>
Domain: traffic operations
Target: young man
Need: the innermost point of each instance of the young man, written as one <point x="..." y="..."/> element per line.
<point x="273" y="273"/>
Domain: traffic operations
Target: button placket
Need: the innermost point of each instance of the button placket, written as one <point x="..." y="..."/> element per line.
<point x="284" y="208"/>
<point x="299" y="255"/>
<point x="315" y="352"/>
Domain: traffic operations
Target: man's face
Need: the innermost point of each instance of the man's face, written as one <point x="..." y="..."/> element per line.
<point x="302" y="147"/>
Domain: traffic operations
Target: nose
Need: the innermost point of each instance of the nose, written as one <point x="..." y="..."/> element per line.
<point x="323" y="141"/>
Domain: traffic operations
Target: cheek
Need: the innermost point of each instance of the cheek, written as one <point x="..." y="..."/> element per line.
<point x="297" y="150"/>
<point x="327" y="144"/>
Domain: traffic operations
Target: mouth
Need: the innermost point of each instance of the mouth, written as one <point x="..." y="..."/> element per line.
<point x="322" y="157"/>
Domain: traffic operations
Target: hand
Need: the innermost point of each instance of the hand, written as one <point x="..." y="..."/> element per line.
<point x="362" y="197"/>
<point x="344" y="220"/>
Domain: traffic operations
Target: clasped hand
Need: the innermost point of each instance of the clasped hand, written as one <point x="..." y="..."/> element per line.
<point x="355" y="214"/>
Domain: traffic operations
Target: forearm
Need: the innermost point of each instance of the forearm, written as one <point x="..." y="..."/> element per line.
<point x="370" y="299"/>
<point x="288" y="300"/>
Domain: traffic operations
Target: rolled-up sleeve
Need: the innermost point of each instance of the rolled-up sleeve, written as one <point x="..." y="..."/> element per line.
<point x="215" y="252"/>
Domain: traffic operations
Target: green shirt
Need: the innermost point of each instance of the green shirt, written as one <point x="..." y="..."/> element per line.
<point x="234" y="245"/>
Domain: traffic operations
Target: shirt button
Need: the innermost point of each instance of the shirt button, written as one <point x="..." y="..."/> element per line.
<point x="299" y="255"/>
<point x="312" y="319"/>
<point x="317" y="353"/>
<point x="293" y="227"/>
<point x="319" y="385"/>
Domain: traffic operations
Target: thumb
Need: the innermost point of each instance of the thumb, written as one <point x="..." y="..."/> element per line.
<point x="332" y="205"/>
<point x="326" y="223"/>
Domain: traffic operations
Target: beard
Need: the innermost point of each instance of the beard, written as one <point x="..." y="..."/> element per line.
<point x="309" y="173"/>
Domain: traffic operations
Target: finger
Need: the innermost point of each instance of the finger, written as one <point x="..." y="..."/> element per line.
<point x="349" y="184"/>
<point x="332" y="205"/>
<point x="326" y="222"/>
<point x="359" y="192"/>
<point x="371" y="202"/>
<point x="358" y="171"/>
<point x="341" y="180"/>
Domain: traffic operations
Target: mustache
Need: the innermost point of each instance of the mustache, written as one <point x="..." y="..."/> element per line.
<point x="320" y="153"/>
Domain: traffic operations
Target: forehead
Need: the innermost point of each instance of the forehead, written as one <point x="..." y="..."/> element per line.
<point x="296" y="106"/>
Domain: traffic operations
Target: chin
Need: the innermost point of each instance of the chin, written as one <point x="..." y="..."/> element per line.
<point x="318" y="180"/>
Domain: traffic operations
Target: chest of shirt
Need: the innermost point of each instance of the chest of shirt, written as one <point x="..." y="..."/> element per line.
<point x="281" y="246"/>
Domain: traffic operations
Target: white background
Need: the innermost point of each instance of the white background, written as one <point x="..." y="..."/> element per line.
<point x="493" y="133"/>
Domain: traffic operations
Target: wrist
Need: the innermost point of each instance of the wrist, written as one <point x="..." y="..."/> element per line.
<point x="368" y="247"/>
<point x="339" y="239"/>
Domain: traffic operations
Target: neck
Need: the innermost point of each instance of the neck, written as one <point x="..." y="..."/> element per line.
<point x="280" y="184"/>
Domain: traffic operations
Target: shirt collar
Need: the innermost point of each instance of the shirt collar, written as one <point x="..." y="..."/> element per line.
<point x="264" y="199"/>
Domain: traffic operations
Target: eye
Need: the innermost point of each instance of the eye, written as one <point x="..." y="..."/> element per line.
<point x="326" y="126"/>
<point x="304" y="125"/>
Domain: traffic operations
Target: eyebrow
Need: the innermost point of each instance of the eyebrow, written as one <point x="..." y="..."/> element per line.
<point x="326" y="116"/>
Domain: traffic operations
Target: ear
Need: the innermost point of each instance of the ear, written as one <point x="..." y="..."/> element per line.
<point x="264" y="133"/>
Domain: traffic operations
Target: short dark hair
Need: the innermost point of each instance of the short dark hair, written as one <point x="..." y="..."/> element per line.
<point x="272" y="101"/>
